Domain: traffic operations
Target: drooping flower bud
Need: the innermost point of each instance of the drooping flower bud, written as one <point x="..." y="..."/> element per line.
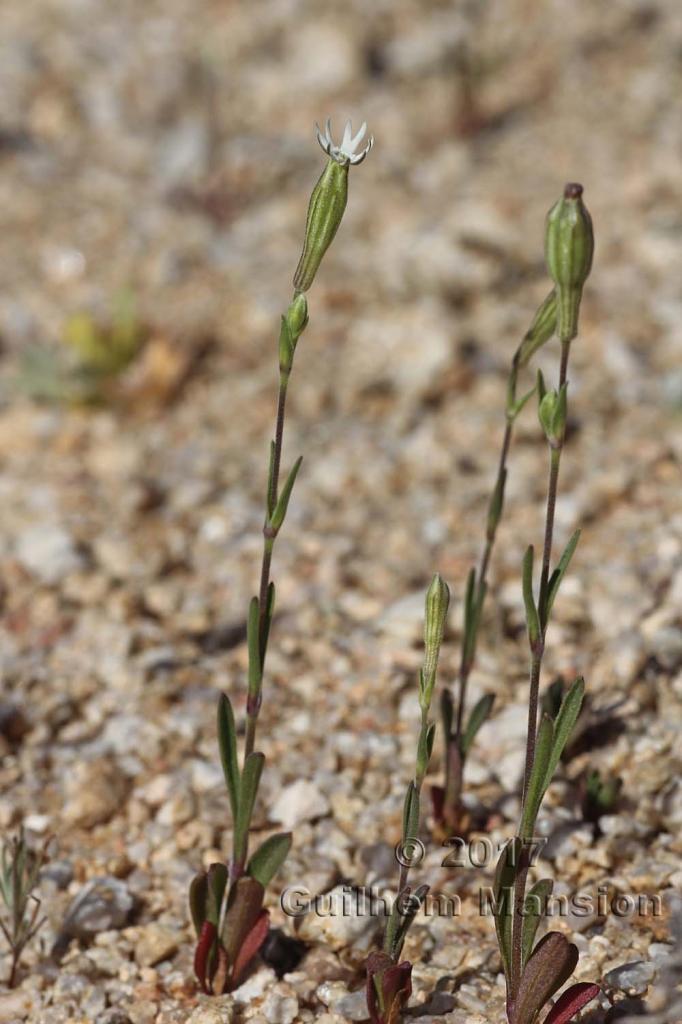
<point x="569" y="247"/>
<point x="328" y="201"/>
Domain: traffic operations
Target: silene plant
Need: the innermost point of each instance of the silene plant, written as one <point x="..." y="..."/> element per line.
<point x="389" y="979"/>
<point x="534" y="972"/>
<point x="226" y="901"/>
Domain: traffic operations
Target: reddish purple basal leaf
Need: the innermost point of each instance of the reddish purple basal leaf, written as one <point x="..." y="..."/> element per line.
<point x="250" y="946"/>
<point x="202" y="953"/>
<point x="395" y="982"/>
<point x="572" y="1000"/>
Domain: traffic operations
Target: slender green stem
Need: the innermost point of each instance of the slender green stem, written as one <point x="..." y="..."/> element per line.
<point x="466" y="664"/>
<point x="454" y="764"/>
<point x="253" y="705"/>
<point x="534" y="692"/>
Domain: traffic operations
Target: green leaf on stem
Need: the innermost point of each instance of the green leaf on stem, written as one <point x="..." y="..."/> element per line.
<point x="277" y="517"/>
<point x="532" y="619"/>
<point x="253" y="766"/>
<point x="269" y="612"/>
<point x="496" y="503"/>
<point x="253" y="643"/>
<point x="411" y="813"/>
<point x="535" y="907"/>
<point x="269" y="857"/>
<point x="425" y="748"/>
<point x="538" y="777"/>
<point x="559" y="573"/>
<point x="503" y="892"/>
<point x="541" y="329"/>
<point x="411" y="903"/>
<point x="515" y="408"/>
<point x="563" y="725"/>
<point x="227" y="744"/>
<point x="478" y="716"/>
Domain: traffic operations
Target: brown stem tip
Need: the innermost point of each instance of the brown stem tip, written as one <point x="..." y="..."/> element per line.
<point x="573" y="190"/>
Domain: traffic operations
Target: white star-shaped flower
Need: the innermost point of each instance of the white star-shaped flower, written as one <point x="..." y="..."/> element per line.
<point x="345" y="153"/>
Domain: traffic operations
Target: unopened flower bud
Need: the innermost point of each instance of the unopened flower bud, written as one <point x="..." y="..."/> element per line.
<point x="552" y="414"/>
<point x="328" y="201"/>
<point x="437" y="601"/>
<point x="569" y="247"/>
<point x="294" y="322"/>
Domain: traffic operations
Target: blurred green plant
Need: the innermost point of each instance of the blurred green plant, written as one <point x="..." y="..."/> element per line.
<point x="227" y="903"/>
<point x="600" y="795"/>
<point x="19" y="870"/>
<point x="535" y="972"/>
<point x="91" y="358"/>
<point x="389" y="981"/>
<point x="459" y="730"/>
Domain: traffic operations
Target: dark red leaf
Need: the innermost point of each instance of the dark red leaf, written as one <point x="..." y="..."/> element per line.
<point x="549" y="966"/>
<point x="202" y="953"/>
<point x="252" y="943"/>
<point x="572" y="1000"/>
<point x="395" y="984"/>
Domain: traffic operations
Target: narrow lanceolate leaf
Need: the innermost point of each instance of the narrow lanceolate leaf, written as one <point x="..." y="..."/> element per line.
<point x="541" y="329"/>
<point x="390" y="943"/>
<point x="247" y="797"/>
<point x="269" y="857"/>
<point x="503" y="892"/>
<point x="532" y="620"/>
<point x="424" y="749"/>
<point x="227" y="743"/>
<point x="571" y="1001"/>
<point x="478" y="716"/>
<point x="253" y="643"/>
<point x="534" y="910"/>
<point x="516" y="408"/>
<point x="496" y="503"/>
<point x="538" y="777"/>
<point x="558" y="574"/>
<point x="412" y="903"/>
<point x="277" y="517"/>
<point x="551" y="964"/>
<point x="563" y="725"/>
<point x="198" y="892"/>
<point x="217" y="881"/>
<point x="269" y="612"/>
<point x="430" y="737"/>
<point x="411" y="813"/>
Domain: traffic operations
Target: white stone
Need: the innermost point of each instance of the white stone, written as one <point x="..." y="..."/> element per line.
<point x="300" y="801"/>
<point x="48" y="552"/>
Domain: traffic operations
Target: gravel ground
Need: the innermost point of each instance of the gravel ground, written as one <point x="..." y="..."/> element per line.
<point x="168" y="148"/>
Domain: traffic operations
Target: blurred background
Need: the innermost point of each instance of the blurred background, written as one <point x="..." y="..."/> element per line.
<point x="156" y="160"/>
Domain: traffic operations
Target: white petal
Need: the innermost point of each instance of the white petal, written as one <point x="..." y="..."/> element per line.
<point x="358" y="138"/>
